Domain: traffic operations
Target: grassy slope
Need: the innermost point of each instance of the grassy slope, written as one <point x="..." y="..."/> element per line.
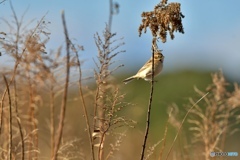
<point x="171" y="88"/>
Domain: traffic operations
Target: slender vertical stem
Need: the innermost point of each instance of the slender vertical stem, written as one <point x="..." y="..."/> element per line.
<point x="19" y="121"/>
<point x="31" y="117"/>
<point x="226" y="118"/>
<point x="149" y="108"/>
<point x="1" y="108"/>
<point x="64" y="99"/>
<point x="99" y="111"/>
<point x="110" y="15"/>
<point x="100" y="149"/>
<point x="95" y="127"/>
<point x="182" y="124"/>
<point x="52" y="124"/>
<point x="84" y="106"/>
<point x="10" y="120"/>
<point x="18" y="24"/>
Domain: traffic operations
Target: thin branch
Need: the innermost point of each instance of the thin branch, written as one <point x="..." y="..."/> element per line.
<point x="183" y="122"/>
<point x="110" y="15"/>
<point x="149" y="108"/>
<point x="64" y="99"/>
<point x="52" y="124"/>
<point x="101" y="77"/>
<point x="10" y="120"/>
<point x="18" y="28"/>
<point x="165" y="135"/>
<point x="84" y="104"/>
<point x="1" y="119"/>
<point x="96" y="105"/>
<point x="19" y="122"/>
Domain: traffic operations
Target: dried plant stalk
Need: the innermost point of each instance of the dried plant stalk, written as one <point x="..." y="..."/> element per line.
<point x="83" y="103"/>
<point x="105" y="57"/>
<point x="183" y="122"/>
<point x="64" y="99"/>
<point x="165" y="134"/>
<point x="52" y="123"/>
<point x="164" y="18"/>
<point x="19" y="122"/>
<point x="18" y="58"/>
<point x="10" y="119"/>
<point x="2" y="112"/>
<point x="149" y="106"/>
<point x="210" y="119"/>
<point x="31" y="114"/>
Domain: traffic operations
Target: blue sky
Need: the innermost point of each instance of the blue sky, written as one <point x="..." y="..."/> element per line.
<point x="211" y="40"/>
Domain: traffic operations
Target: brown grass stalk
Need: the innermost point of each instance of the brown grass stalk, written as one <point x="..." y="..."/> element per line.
<point x="106" y="53"/>
<point x="84" y="107"/>
<point x="101" y="89"/>
<point x="31" y="116"/>
<point x="101" y="144"/>
<point x="211" y="120"/>
<point x="100" y="99"/>
<point x="183" y="122"/>
<point x="165" y="135"/>
<point x="165" y="18"/>
<point x="2" y="113"/>
<point x="149" y="106"/>
<point x="64" y="99"/>
<point x="19" y="122"/>
<point x="110" y="15"/>
<point x="10" y="119"/>
<point x="52" y="123"/>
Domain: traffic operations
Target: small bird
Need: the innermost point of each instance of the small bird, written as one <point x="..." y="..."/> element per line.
<point x="146" y="71"/>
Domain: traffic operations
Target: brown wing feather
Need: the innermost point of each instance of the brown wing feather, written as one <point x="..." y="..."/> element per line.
<point x="144" y="66"/>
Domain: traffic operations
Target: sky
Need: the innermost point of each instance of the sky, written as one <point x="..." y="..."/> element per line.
<point x="211" y="40"/>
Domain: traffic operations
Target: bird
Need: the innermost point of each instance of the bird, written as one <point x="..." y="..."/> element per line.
<point x="146" y="71"/>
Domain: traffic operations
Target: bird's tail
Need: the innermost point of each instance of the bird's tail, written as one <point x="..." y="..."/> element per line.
<point x="128" y="79"/>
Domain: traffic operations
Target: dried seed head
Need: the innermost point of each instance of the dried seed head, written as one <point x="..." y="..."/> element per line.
<point x="164" y="18"/>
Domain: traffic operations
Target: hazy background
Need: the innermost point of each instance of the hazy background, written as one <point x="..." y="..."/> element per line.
<point x="211" y="40"/>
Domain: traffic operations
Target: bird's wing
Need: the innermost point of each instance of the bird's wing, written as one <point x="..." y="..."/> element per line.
<point x="146" y="65"/>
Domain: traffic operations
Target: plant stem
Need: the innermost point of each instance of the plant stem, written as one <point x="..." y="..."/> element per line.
<point x="149" y="109"/>
<point x="84" y="106"/>
<point x="183" y="122"/>
<point x="10" y="120"/>
<point x="64" y="100"/>
<point x="19" y="121"/>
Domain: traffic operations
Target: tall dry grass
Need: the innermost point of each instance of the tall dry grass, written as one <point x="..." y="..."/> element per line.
<point x="38" y="78"/>
<point x="37" y="73"/>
